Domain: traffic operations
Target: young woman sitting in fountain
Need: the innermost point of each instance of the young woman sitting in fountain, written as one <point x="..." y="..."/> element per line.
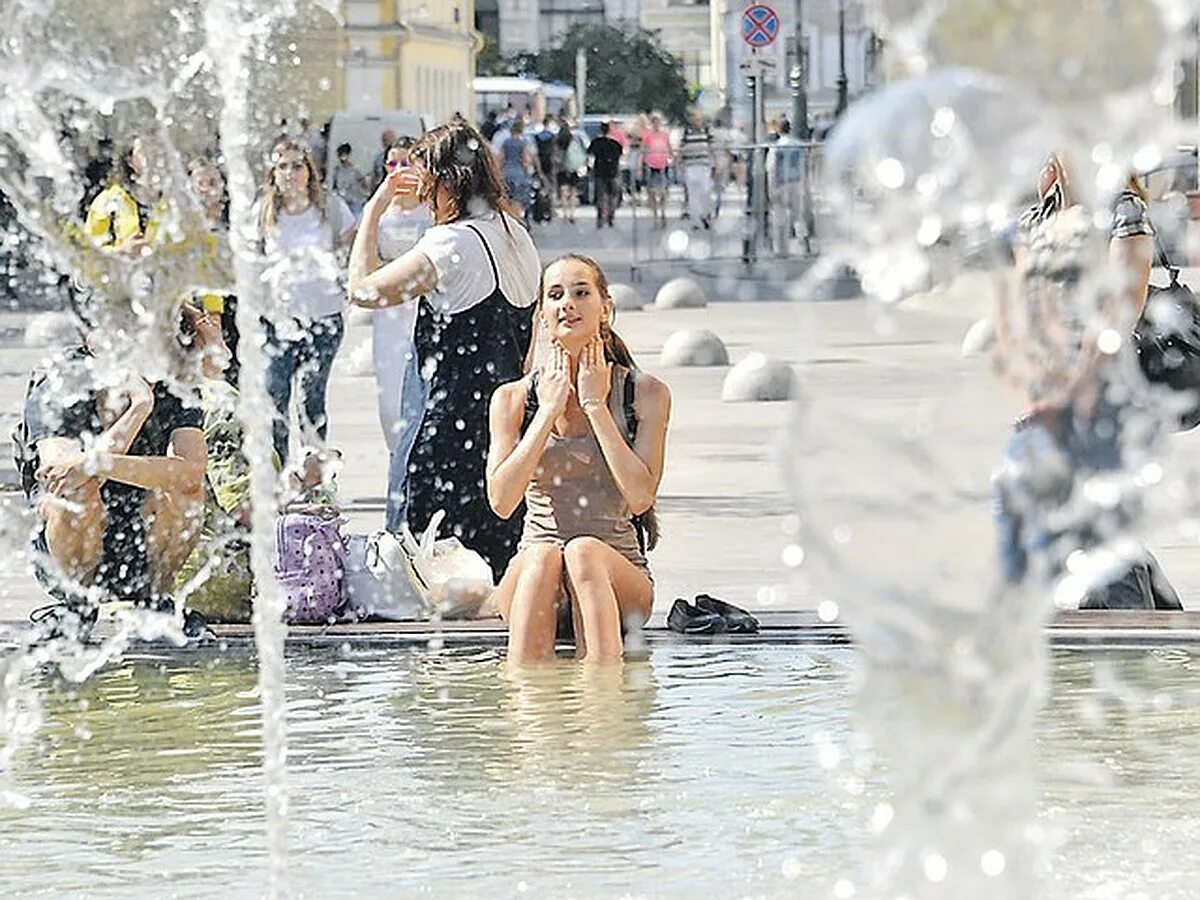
<point x="582" y="440"/>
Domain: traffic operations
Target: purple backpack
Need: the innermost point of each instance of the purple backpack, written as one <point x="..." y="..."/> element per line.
<point x="310" y="558"/>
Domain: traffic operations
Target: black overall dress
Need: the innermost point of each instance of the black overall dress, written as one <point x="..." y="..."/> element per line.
<point x="465" y="356"/>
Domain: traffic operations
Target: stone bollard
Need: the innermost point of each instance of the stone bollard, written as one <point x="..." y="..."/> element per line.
<point x="758" y="378"/>
<point x="979" y="339"/>
<point x="624" y="297"/>
<point x="680" y="293"/>
<point x="697" y="347"/>
<point x="52" y="329"/>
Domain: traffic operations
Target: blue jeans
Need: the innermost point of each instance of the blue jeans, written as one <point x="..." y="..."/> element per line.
<point x="413" y="398"/>
<point x="307" y="353"/>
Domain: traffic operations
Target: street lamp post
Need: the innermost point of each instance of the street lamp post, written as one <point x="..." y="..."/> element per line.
<point x="843" y="98"/>
<point x="798" y="77"/>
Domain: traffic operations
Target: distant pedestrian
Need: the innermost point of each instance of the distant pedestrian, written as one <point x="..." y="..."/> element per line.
<point x="786" y="172"/>
<point x="573" y="162"/>
<point x="379" y="163"/>
<point x="518" y="164"/>
<point x="606" y="153"/>
<point x="656" y="159"/>
<point x="348" y="182"/>
<point x="490" y="125"/>
<point x="696" y="160"/>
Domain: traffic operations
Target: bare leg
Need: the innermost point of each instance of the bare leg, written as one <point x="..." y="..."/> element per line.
<point x="528" y="598"/>
<point x="75" y="537"/>
<point x="608" y="590"/>
<point x="173" y="525"/>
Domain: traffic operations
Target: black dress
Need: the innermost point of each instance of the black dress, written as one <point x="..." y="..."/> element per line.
<point x="465" y="356"/>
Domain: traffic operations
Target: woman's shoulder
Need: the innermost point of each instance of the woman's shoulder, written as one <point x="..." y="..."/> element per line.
<point x="1131" y="216"/>
<point x="513" y="395"/>
<point x="650" y="393"/>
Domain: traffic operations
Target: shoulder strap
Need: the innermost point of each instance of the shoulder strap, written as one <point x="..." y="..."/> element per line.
<point x="488" y="250"/>
<point x="631" y="422"/>
<point x="531" y="403"/>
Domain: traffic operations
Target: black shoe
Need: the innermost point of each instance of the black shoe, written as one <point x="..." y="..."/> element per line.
<point x="195" y="626"/>
<point x="736" y="619"/>
<point x="687" y="619"/>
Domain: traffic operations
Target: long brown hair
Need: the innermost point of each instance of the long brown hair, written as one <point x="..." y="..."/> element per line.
<point x="272" y="199"/>
<point x="615" y="351"/>
<point x="457" y="157"/>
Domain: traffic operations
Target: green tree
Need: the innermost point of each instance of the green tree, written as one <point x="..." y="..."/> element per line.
<point x="489" y="61"/>
<point x="628" y="69"/>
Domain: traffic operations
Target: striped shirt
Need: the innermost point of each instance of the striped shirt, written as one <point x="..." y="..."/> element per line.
<point x="695" y="146"/>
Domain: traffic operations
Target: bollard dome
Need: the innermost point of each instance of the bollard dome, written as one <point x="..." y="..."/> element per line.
<point x="696" y="347"/>
<point x="758" y="378"/>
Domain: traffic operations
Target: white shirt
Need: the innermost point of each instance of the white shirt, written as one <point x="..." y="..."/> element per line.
<point x="400" y="229"/>
<point x="463" y="271"/>
<point x="302" y="263"/>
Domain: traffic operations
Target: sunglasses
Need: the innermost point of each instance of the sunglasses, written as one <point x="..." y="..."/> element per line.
<point x="392" y="164"/>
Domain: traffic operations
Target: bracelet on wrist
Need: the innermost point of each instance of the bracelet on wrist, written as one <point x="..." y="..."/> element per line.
<point x="591" y="405"/>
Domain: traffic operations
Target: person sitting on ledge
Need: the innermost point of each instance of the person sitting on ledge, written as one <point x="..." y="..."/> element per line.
<point x="115" y="473"/>
<point x="582" y="440"/>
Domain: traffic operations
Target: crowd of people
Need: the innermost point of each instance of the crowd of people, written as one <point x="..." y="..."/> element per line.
<point x="511" y="410"/>
<point x="547" y="164"/>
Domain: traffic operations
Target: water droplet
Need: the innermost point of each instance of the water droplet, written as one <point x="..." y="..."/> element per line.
<point x="791" y="868"/>
<point x="827" y="610"/>
<point x="882" y="817"/>
<point x="843" y="889"/>
<point x="890" y="173"/>
<point x="992" y="862"/>
<point x="1109" y="341"/>
<point x="793" y="555"/>
<point x="936" y="868"/>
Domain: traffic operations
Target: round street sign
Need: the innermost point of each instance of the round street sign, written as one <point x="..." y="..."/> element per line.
<point x="760" y="25"/>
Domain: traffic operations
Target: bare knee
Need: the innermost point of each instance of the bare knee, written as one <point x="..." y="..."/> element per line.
<point x="584" y="558"/>
<point x="542" y="564"/>
<point x="74" y="529"/>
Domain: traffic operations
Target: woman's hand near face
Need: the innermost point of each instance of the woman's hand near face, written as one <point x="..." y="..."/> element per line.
<point x="554" y="382"/>
<point x="595" y="374"/>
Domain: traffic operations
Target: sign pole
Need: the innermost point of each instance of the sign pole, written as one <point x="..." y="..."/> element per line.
<point x="759" y="27"/>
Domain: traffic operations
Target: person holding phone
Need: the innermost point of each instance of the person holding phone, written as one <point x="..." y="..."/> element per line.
<point x="401" y="389"/>
<point x="473" y="277"/>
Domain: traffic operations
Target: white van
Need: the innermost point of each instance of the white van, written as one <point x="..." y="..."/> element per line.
<point x="363" y="130"/>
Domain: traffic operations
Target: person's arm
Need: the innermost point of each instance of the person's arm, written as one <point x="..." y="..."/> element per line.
<point x="513" y="458"/>
<point x="1131" y="258"/>
<point x="180" y="471"/>
<point x="636" y="470"/>
<point x="64" y="466"/>
<point x="405" y="278"/>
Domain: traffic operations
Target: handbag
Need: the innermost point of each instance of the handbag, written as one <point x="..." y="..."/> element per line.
<point x="379" y="581"/>
<point x="1167" y="342"/>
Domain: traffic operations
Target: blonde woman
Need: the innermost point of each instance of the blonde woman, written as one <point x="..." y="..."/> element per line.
<point x="302" y="230"/>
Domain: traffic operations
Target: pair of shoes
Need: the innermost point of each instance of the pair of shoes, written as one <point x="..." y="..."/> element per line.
<point x="687" y="619"/>
<point x="710" y="616"/>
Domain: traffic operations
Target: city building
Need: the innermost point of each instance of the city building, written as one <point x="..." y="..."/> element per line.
<point x="408" y="54"/>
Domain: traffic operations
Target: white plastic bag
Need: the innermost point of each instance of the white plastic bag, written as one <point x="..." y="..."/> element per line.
<point x="379" y="580"/>
<point x="454" y="580"/>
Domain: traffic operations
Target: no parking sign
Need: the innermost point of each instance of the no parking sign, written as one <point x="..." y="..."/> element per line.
<point x="760" y="26"/>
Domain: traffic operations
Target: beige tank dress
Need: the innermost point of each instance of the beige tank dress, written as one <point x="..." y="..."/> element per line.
<point x="573" y="494"/>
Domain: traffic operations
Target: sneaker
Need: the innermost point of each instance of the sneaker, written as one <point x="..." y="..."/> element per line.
<point x="737" y="620"/>
<point x="687" y="619"/>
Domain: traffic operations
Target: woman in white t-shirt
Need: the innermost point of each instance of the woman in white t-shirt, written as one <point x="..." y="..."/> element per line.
<point x="302" y="229"/>
<point x="474" y="279"/>
<point x="398" y="378"/>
